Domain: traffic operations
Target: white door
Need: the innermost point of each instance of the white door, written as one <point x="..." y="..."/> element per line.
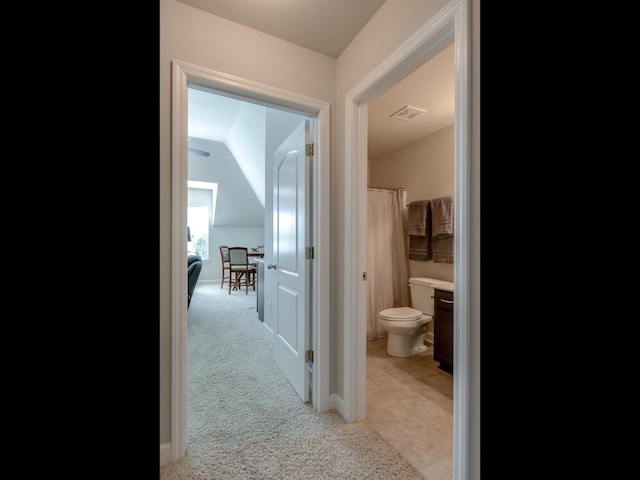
<point x="289" y="266"/>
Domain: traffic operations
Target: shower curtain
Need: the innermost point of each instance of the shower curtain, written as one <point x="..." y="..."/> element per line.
<point x="387" y="264"/>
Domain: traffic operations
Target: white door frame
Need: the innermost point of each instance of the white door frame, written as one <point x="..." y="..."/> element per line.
<point x="184" y="75"/>
<point x="451" y="24"/>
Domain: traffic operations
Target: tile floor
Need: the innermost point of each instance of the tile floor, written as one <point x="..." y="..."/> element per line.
<point x="410" y="404"/>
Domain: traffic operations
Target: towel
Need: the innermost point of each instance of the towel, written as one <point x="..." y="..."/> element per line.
<point x="442" y="229"/>
<point x="443" y="249"/>
<point x="419" y="230"/>
<point x="442" y="216"/>
<point x="420" y="247"/>
<point x="419" y="218"/>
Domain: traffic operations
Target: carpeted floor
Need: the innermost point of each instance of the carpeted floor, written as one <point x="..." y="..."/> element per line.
<point x="244" y="419"/>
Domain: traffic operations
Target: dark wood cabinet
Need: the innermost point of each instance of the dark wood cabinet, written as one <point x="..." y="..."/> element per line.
<point x="443" y="329"/>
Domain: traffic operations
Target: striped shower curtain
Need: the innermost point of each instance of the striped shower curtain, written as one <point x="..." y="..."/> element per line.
<point x="387" y="263"/>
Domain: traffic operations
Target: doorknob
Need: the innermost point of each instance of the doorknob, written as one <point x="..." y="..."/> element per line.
<point x="271" y="265"/>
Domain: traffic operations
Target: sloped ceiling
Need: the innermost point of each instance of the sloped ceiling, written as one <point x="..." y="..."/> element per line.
<point x="237" y="204"/>
<point x="240" y="125"/>
<point x="238" y="136"/>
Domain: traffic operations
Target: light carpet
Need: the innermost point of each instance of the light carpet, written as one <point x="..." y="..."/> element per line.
<point x="244" y="419"/>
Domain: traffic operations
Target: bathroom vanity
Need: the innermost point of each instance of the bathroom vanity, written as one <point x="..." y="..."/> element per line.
<point x="443" y="328"/>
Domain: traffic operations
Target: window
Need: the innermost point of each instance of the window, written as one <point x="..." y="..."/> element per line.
<point x="198" y="221"/>
<point x="200" y="215"/>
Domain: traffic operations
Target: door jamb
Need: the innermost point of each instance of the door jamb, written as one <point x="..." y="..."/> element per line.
<point x="450" y="24"/>
<point x="183" y="75"/>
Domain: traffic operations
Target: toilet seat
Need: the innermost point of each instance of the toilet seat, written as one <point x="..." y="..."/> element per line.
<point x="401" y="314"/>
<point x="406" y="328"/>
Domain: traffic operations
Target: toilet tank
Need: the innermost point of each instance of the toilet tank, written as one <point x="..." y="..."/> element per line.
<point x="422" y="292"/>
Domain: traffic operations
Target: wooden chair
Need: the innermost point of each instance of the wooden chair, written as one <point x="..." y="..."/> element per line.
<point x="242" y="273"/>
<point x="224" y="258"/>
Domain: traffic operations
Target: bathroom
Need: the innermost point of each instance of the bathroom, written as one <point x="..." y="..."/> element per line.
<point x="413" y="150"/>
<point x="425" y="170"/>
<point x="397" y="388"/>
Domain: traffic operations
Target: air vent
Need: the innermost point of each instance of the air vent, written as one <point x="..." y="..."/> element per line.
<point x="407" y="113"/>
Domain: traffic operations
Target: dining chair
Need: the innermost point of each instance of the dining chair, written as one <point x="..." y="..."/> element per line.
<point x="224" y="259"/>
<point x="242" y="273"/>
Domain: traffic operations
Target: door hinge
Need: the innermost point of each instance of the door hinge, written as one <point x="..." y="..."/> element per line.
<point x="308" y="150"/>
<point x="308" y="356"/>
<point x="308" y="253"/>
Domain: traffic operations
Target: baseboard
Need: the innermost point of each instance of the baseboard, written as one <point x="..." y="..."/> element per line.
<point x="165" y="453"/>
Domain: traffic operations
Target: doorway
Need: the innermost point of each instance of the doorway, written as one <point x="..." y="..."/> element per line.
<point x="185" y="75"/>
<point x="449" y="26"/>
<point x="424" y="168"/>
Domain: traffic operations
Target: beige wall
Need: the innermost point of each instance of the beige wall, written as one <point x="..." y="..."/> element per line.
<point x="193" y="36"/>
<point x="425" y="170"/>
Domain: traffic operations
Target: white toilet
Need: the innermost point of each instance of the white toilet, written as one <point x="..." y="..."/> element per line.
<point x="407" y="326"/>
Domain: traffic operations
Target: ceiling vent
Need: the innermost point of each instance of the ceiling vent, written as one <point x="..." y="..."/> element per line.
<point x="407" y="113"/>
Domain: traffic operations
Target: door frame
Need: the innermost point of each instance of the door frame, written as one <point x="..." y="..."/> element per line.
<point x="450" y="25"/>
<point x="186" y="74"/>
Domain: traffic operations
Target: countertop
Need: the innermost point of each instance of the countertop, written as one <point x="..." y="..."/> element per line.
<point x="448" y="286"/>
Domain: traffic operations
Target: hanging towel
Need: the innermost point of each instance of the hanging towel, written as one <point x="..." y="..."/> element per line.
<point x="442" y="216"/>
<point x="419" y="218"/>
<point x="443" y="249"/>
<point x="442" y="229"/>
<point x="419" y="230"/>
<point x="420" y="247"/>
